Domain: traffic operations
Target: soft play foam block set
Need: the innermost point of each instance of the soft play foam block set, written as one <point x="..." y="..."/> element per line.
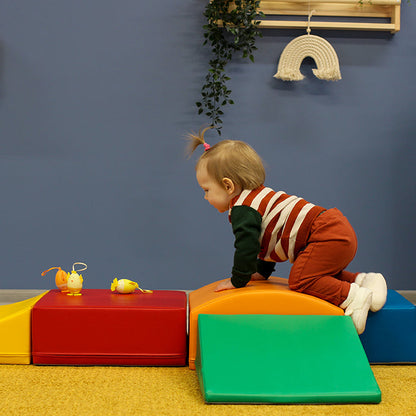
<point x="104" y="328"/>
<point x="138" y="327"/>
<point x="282" y="359"/>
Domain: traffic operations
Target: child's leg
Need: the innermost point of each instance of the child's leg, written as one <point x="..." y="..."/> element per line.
<point x="318" y="279"/>
<point x="347" y="276"/>
<point x="319" y="268"/>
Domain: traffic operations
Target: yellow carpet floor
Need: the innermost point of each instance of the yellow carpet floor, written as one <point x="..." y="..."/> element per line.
<point x="157" y="391"/>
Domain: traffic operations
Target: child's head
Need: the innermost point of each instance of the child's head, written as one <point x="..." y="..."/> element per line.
<point x="231" y="159"/>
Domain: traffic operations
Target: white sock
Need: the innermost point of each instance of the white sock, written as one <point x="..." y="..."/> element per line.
<point x="357" y="305"/>
<point x="377" y="284"/>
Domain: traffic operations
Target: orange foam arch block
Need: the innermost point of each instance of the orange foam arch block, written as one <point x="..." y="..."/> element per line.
<point x="271" y="297"/>
<point x="15" y="331"/>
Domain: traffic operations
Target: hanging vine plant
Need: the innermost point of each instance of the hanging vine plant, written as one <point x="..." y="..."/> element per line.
<point x="232" y="27"/>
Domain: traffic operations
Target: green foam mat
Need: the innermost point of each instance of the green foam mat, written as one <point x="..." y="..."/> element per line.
<point x="282" y="359"/>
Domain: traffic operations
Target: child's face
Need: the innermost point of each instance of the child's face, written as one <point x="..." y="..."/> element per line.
<point x="218" y="195"/>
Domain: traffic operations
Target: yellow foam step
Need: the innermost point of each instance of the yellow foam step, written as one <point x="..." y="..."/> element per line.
<point x="15" y="331"/>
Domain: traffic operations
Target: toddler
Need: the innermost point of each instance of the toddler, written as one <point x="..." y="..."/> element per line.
<point x="272" y="227"/>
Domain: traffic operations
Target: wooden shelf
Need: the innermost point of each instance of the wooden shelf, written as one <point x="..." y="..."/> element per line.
<point x="339" y="14"/>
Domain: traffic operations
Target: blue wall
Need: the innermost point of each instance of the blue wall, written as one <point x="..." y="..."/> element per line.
<point x="96" y="96"/>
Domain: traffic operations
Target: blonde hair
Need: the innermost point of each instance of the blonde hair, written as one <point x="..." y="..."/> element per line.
<point x="231" y="159"/>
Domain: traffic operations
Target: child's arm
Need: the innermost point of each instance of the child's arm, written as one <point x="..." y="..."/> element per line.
<point x="265" y="268"/>
<point x="246" y="223"/>
<point x="224" y="285"/>
<point x="257" y="276"/>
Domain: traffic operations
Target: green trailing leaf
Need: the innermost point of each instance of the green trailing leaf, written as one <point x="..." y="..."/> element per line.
<point x="238" y="34"/>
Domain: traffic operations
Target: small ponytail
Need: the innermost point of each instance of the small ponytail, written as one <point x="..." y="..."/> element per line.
<point x="194" y="140"/>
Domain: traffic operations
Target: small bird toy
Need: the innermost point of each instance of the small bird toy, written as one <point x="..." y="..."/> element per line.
<point x="61" y="278"/>
<point x="75" y="280"/>
<point x="125" y="286"/>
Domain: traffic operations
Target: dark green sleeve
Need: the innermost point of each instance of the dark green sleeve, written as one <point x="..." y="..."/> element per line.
<point x="265" y="268"/>
<point x="246" y="224"/>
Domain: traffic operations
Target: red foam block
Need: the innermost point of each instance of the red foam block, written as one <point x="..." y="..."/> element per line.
<point x="104" y="328"/>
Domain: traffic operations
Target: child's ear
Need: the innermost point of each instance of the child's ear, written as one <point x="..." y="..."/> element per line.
<point x="228" y="185"/>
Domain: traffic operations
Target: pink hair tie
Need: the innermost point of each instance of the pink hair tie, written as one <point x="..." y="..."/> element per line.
<point x="206" y="146"/>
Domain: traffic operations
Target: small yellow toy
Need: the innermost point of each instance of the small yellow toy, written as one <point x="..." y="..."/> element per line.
<point x="61" y="278"/>
<point x="126" y="286"/>
<point x="75" y="280"/>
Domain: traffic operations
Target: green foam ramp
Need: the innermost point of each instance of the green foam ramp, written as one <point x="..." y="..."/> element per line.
<point x="282" y="359"/>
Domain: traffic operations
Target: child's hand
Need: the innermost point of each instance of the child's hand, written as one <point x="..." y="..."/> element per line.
<point x="257" y="276"/>
<point x="224" y="285"/>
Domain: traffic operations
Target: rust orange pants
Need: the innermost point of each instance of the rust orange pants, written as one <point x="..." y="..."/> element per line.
<point x="319" y="270"/>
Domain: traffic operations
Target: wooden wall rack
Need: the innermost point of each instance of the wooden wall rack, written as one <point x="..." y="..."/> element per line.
<point x="339" y="14"/>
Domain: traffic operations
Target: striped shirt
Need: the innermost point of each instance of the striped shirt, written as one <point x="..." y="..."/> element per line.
<point x="286" y="221"/>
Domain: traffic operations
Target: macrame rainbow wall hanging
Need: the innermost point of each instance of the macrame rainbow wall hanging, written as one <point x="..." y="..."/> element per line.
<point x="315" y="47"/>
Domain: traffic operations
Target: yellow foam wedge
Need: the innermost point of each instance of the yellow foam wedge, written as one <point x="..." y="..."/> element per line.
<point x="15" y="331"/>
